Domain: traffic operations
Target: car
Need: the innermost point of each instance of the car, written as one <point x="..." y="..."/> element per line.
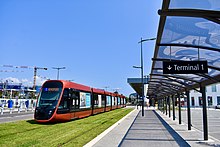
<point x="217" y="107"/>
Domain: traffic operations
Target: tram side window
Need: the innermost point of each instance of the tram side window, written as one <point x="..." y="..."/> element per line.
<point x="99" y="100"/>
<point x="96" y="101"/>
<point x="103" y="100"/>
<point x="108" y="100"/>
<point x="75" y="100"/>
<point x="113" y="101"/>
<point x="119" y="101"/>
<point x="64" y="100"/>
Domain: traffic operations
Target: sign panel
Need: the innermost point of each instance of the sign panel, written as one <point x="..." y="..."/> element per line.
<point x="9" y="86"/>
<point x="185" y="67"/>
<point x="85" y="100"/>
<point x="82" y="100"/>
<point x="88" y="100"/>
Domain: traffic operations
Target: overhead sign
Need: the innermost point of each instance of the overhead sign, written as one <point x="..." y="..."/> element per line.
<point x="185" y="67"/>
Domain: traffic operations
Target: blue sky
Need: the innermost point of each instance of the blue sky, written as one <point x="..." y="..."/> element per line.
<point x="97" y="41"/>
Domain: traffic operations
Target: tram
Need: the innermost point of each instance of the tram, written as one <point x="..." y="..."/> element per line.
<point x="61" y="100"/>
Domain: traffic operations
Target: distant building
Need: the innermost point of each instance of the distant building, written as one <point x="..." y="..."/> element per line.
<point x="12" y="90"/>
<point x="212" y="96"/>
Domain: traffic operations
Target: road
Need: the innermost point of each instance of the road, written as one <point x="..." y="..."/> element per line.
<point x="6" y="117"/>
<point x="197" y="120"/>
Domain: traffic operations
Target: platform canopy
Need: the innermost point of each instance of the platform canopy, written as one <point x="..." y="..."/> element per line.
<point x="189" y="30"/>
<point x="136" y="84"/>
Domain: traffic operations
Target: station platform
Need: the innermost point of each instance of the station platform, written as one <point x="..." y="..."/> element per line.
<point x="153" y="129"/>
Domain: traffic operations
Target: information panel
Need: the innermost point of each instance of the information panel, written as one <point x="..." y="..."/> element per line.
<point x="85" y="100"/>
<point x="185" y="67"/>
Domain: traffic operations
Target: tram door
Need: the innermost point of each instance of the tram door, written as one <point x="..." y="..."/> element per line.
<point x="74" y="101"/>
<point x="64" y="106"/>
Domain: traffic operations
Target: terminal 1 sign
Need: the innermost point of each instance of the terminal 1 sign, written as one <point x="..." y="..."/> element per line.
<point x="185" y="67"/>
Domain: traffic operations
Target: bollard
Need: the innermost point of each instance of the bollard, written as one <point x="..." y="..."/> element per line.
<point x="25" y="109"/>
<point x="2" y="109"/>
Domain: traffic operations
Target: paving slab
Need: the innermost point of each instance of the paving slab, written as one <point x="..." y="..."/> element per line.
<point x="154" y="129"/>
<point x="113" y="136"/>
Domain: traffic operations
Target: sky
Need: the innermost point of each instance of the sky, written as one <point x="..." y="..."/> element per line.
<point x="95" y="40"/>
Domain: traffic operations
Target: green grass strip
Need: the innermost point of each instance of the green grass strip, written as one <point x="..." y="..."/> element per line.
<point x="73" y="133"/>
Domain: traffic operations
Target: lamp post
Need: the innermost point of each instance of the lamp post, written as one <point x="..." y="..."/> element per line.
<point x="142" y="71"/>
<point x="58" y="70"/>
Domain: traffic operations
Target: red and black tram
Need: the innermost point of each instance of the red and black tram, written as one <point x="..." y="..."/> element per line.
<point x="61" y="100"/>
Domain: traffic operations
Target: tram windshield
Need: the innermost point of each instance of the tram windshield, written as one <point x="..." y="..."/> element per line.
<point x="49" y="95"/>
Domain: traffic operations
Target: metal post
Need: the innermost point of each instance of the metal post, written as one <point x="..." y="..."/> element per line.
<point x="166" y="104"/>
<point x="142" y="78"/>
<point x="179" y="103"/>
<point x="169" y="106"/>
<point x="173" y="100"/>
<point x="164" y="108"/>
<point x="35" y="77"/>
<point x="92" y="99"/>
<point x="204" y="110"/>
<point x="158" y="104"/>
<point x="58" y="71"/>
<point x="188" y="110"/>
<point x="163" y="105"/>
<point x="142" y="72"/>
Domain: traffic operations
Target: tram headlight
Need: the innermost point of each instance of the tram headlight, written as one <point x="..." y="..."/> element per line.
<point x="50" y="112"/>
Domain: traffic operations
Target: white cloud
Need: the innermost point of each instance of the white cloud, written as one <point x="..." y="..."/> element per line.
<point x="25" y="82"/>
<point x="39" y="80"/>
<point x="12" y="80"/>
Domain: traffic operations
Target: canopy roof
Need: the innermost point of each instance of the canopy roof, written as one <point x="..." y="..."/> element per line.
<point x="136" y="84"/>
<point x="189" y="30"/>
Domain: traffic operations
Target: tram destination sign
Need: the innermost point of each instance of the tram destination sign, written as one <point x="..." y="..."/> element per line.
<point x="185" y="67"/>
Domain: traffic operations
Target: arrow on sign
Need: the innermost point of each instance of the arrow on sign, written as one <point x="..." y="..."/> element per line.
<point x="169" y="67"/>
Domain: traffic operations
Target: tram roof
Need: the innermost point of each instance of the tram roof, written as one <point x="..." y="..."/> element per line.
<point x="189" y="30"/>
